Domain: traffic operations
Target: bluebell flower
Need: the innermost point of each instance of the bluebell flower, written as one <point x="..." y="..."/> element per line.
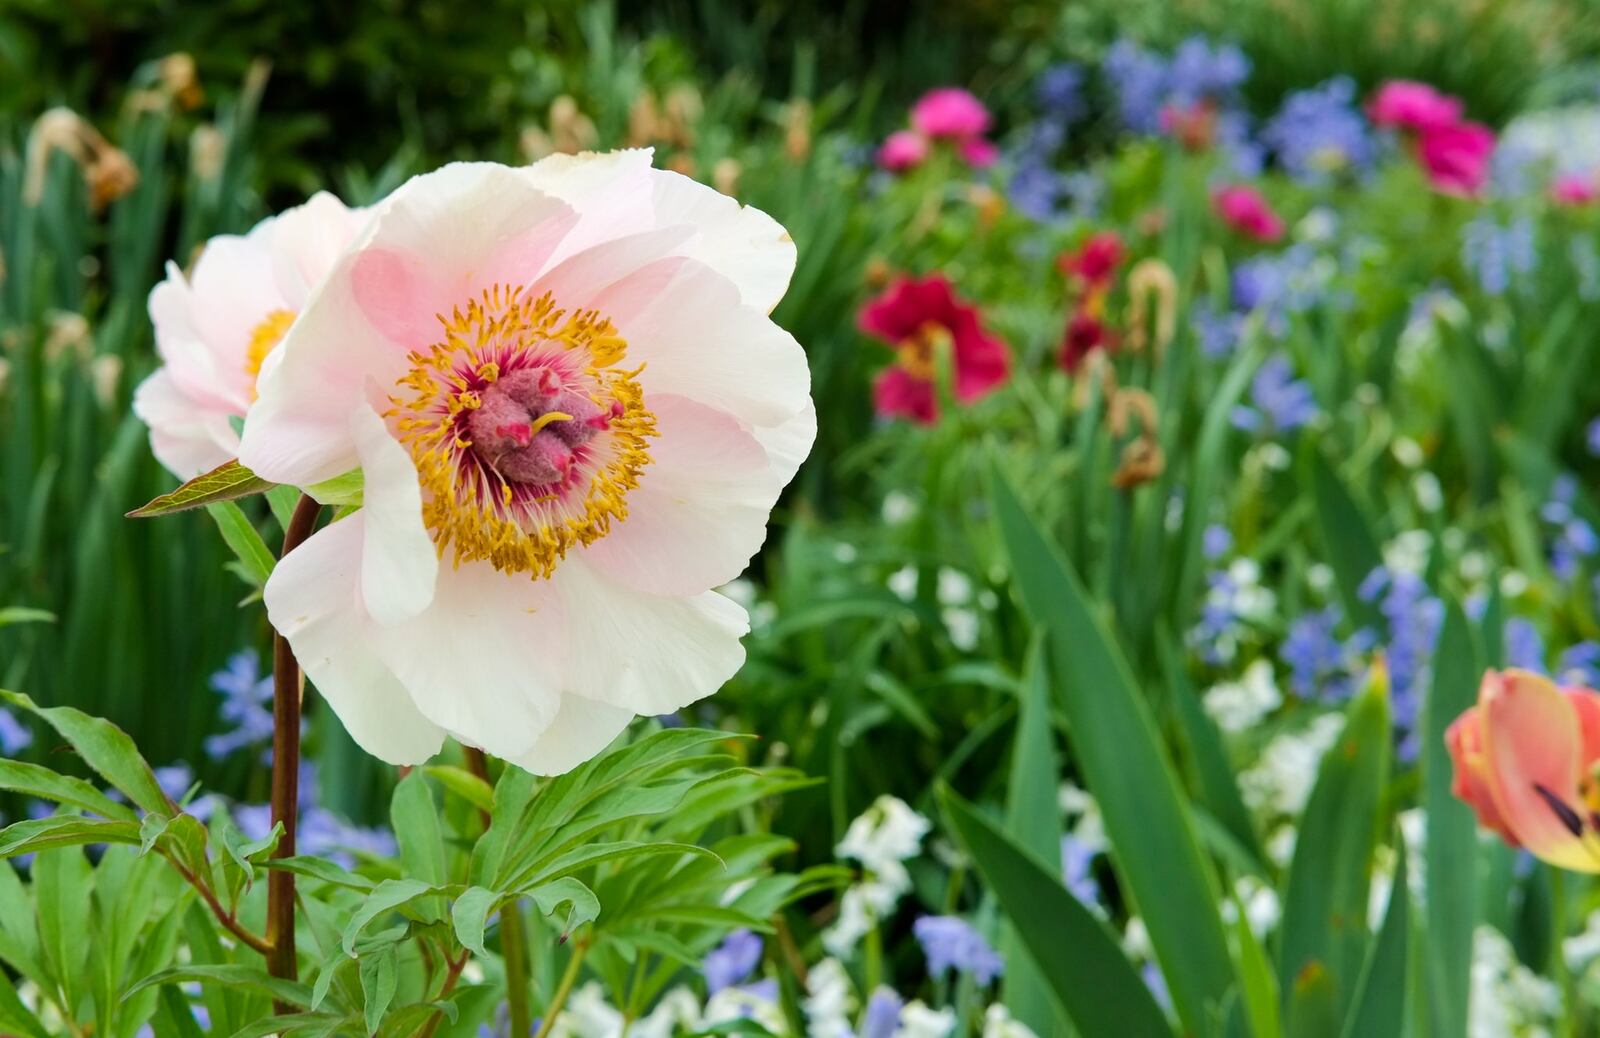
<point x="1216" y="541"/>
<point x="1572" y="539"/>
<point x="1077" y="861"/>
<point x="1035" y="190"/>
<point x="882" y="1017"/>
<point x="732" y="961"/>
<point x="1591" y="436"/>
<point x="1319" y="662"/>
<point x="1218" y="333"/>
<point x="1244" y="156"/>
<point x="1201" y="70"/>
<point x="320" y="833"/>
<point x="246" y="705"/>
<point x="176" y="780"/>
<point x="14" y="736"/>
<point x="1157" y="985"/>
<point x="1412" y="617"/>
<point x="1524" y="647"/>
<point x="1496" y="254"/>
<point x="1320" y="133"/>
<point x="1281" y="403"/>
<point x="1060" y="92"/>
<point x="1580" y="665"/>
<point x="1139" y="78"/>
<point x="949" y="942"/>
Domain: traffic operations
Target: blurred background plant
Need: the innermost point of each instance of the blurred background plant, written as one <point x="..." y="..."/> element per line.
<point x="1313" y="463"/>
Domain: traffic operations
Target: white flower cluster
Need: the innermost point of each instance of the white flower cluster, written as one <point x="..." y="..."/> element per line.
<point x="1508" y="1000"/>
<point x="1280" y="781"/>
<point x="1239" y="705"/>
<point x="882" y="839"/>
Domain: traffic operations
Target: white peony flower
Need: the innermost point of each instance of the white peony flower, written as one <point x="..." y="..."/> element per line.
<point x="572" y="416"/>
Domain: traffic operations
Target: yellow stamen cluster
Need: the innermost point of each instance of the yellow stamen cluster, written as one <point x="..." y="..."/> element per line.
<point x="469" y="506"/>
<point x="264" y="338"/>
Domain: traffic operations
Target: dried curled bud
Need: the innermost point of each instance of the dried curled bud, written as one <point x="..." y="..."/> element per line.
<point x="181" y="82"/>
<point x="1152" y="279"/>
<point x="107" y="171"/>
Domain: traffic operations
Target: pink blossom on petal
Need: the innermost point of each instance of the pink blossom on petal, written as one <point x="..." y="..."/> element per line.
<point x="903" y="150"/>
<point x="1413" y="106"/>
<point x="1456" y="157"/>
<point x="1246" y="211"/>
<point x="950" y="112"/>
<point x="978" y="153"/>
<point x="1575" y="190"/>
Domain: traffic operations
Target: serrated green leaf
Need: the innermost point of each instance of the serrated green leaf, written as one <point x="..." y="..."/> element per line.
<point x="241" y="537"/>
<point x="1093" y="983"/>
<point x="469" y="917"/>
<point x="386" y="897"/>
<point x="1118" y="749"/>
<point x="227" y="482"/>
<point x="105" y="748"/>
<point x="583" y="906"/>
<point x="35" y="781"/>
<point x="38" y="834"/>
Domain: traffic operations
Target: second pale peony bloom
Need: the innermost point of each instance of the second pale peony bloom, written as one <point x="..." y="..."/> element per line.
<point x="573" y="417"/>
<point x="1525" y="760"/>
<point x="219" y="325"/>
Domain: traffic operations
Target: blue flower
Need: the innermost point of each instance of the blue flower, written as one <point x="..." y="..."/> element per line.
<point x="14" y="736"/>
<point x="1497" y="253"/>
<point x="1060" y="92"/>
<point x="176" y="780"/>
<point x="882" y="1017"/>
<point x="1591" y="436"/>
<point x="246" y="705"/>
<point x="1218" y="333"/>
<point x="321" y="832"/>
<point x="1201" y="70"/>
<point x="1216" y="541"/>
<point x="1319" y="133"/>
<point x="1281" y="402"/>
<point x="950" y="943"/>
<point x="1077" y="861"/>
<point x="1412" y="618"/>
<point x="1580" y="665"/>
<point x="1524" y="646"/>
<point x="732" y="961"/>
<point x="1140" y="81"/>
<point x="1319" y="662"/>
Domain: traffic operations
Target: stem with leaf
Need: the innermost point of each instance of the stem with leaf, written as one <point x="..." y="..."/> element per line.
<point x="568" y="978"/>
<point x="286" y="691"/>
<point x="513" y="939"/>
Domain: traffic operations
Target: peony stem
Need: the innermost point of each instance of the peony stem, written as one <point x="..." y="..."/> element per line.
<point x="286" y="691"/>
<point x="557" y="1001"/>
<point x="513" y="939"/>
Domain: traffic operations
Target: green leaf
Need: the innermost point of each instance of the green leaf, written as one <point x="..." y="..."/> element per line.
<point x="1325" y="903"/>
<point x="463" y="784"/>
<point x="14" y="1016"/>
<point x="470" y="917"/>
<point x="1380" y="1000"/>
<point x="33" y="780"/>
<point x="1093" y="983"/>
<point x="320" y="869"/>
<point x="1213" y="774"/>
<point x="1033" y="820"/>
<point x="416" y="826"/>
<point x="105" y="748"/>
<point x="62" y="885"/>
<point x="389" y="895"/>
<point x="583" y="906"/>
<point x="249" y="978"/>
<point x="38" y="834"/>
<point x="227" y="482"/>
<point x="340" y="490"/>
<point x="1313" y="1005"/>
<point x="240" y="535"/>
<point x="177" y="1016"/>
<point x="1258" y="984"/>
<point x="1451" y="862"/>
<point x="1352" y="548"/>
<point x="23" y="615"/>
<point x="378" y="982"/>
<point x="1155" y="846"/>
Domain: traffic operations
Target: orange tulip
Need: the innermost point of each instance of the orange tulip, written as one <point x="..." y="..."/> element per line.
<point x="1525" y="762"/>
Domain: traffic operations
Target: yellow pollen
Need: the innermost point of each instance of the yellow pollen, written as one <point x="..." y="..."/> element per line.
<point x="264" y="338"/>
<point x="468" y="505"/>
<point x="916" y="351"/>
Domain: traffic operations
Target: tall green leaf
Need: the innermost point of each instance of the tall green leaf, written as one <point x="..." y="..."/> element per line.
<point x="227" y="482"/>
<point x="1325" y="904"/>
<point x="1380" y="1000"/>
<point x="1115" y="741"/>
<point x="1347" y="537"/>
<point x="1451" y="863"/>
<point x="1094" y="984"/>
<point x="105" y="748"/>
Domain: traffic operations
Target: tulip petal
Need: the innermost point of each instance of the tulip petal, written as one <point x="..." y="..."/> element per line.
<point x="1531" y="743"/>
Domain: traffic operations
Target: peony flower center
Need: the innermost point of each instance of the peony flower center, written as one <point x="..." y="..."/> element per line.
<point x="264" y="338"/>
<point x="916" y="352"/>
<point x="526" y="433"/>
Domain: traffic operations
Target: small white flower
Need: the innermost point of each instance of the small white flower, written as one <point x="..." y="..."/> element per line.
<point x="844" y="553"/>
<point x="1280" y="845"/>
<point x="1136" y="939"/>
<point x="588" y="1015"/>
<point x="1407" y="452"/>
<point x="898" y="508"/>
<point x="1513" y="583"/>
<point x="999" y="1023"/>
<point x="919" y="1021"/>
<point x="1260" y="901"/>
<point x="1239" y="705"/>
<point x="1319" y="577"/>
<point x="829" y="1001"/>
<point x="903" y="583"/>
<point x="1429" y="494"/>
<point x="1280" y="781"/>
<point x="1408" y="552"/>
<point x="962" y="624"/>
<point x="954" y="587"/>
<point x="887" y="832"/>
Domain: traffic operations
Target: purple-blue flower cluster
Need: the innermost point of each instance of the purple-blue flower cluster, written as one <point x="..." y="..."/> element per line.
<point x="1498" y="253"/>
<point x="1321" y="664"/>
<point x="320" y="831"/>
<point x="1412" y="617"/>
<point x="1038" y="189"/>
<point x="1572" y="538"/>
<point x="1320" y="134"/>
<point x="246" y="706"/>
<point x="14" y="736"/>
<point x="950" y="943"/>
<point x="1279" y="402"/>
<point x="731" y="962"/>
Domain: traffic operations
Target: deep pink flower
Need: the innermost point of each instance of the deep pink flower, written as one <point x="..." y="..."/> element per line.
<point x="1094" y="262"/>
<point x="903" y="150"/>
<point x="1456" y="157"/>
<point x="949" y="112"/>
<point x="1413" y="106"/>
<point x="978" y="153"/>
<point x="913" y="317"/>
<point x="1085" y="333"/>
<point x="1243" y="209"/>
<point x="1576" y="190"/>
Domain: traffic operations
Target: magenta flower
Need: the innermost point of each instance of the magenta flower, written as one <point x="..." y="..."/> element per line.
<point x="950" y="112"/>
<point x="1414" y="106"/>
<point x="903" y="150"/>
<point x="916" y="318"/>
<point x="1456" y="157"/>
<point x="1246" y="211"/>
<point x="1574" y="189"/>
